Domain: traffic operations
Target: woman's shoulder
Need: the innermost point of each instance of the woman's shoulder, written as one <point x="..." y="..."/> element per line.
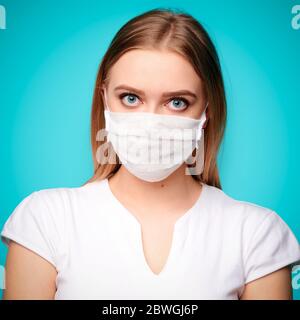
<point x="245" y="218"/>
<point x="38" y="223"/>
<point x="62" y="197"/>
<point x="267" y="242"/>
<point x="40" y="220"/>
<point x="54" y="205"/>
<point x="46" y="200"/>
<point x="230" y="208"/>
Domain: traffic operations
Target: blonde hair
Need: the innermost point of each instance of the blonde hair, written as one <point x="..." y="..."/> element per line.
<point x="179" y="32"/>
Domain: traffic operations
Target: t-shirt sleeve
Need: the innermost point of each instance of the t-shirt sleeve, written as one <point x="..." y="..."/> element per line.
<point x="33" y="225"/>
<point x="272" y="247"/>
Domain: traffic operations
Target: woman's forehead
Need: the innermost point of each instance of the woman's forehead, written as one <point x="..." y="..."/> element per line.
<point x="145" y="69"/>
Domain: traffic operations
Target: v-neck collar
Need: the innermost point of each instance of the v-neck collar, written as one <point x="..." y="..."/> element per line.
<point x="180" y="231"/>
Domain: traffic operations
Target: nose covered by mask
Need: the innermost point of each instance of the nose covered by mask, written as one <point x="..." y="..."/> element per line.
<point x="152" y="146"/>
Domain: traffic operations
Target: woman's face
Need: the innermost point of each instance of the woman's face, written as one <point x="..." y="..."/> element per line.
<point x="155" y="81"/>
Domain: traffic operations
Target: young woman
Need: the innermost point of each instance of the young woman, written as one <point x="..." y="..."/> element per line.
<point x="145" y="229"/>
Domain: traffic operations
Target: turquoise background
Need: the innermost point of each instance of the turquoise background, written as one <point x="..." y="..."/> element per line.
<point x="49" y="55"/>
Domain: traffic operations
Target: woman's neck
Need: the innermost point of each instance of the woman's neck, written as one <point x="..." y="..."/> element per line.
<point x="178" y="192"/>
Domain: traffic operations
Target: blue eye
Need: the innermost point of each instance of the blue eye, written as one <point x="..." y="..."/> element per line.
<point x="131" y="100"/>
<point x="180" y="104"/>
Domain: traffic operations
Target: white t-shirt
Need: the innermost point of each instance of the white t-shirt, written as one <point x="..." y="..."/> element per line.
<point x="95" y="244"/>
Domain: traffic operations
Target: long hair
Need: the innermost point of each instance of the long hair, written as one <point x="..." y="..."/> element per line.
<point x="179" y="32"/>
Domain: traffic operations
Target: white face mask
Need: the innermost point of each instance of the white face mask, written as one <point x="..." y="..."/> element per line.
<point x="152" y="146"/>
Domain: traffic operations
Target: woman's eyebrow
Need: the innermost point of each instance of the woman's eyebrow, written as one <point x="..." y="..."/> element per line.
<point x="165" y="94"/>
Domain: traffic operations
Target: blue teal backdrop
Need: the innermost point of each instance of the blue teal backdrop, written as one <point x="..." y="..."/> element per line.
<point x="49" y="55"/>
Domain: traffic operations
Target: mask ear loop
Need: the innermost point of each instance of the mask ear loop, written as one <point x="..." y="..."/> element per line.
<point x="200" y="132"/>
<point x="199" y="167"/>
<point x="105" y="100"/>
<point x="200" y="157"/>
<point x="106" y="116"/>
<point x="106" y="111"/>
